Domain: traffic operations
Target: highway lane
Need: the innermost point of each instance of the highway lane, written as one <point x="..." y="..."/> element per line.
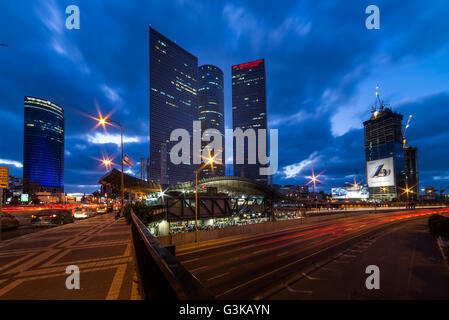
<point x="246" y="268"/>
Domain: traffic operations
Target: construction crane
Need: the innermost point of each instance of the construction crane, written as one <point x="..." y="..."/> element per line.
<point x="379" y="105"/>
<point x="404" y="139"/>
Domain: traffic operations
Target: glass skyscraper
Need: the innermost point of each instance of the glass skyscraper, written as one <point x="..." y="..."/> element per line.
<point x="43" y="148"/>
<point x="249" y="110"/>
<point x="173" y="105"/>
<point x="211" y="111"/>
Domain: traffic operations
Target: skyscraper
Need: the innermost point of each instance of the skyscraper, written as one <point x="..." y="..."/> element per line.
<point x="43" y="148"/>
<point x="211" y="110"/>
<point x="384" y="154"/>
<point x="249" y="110"/>
<point x="173" y="105"/>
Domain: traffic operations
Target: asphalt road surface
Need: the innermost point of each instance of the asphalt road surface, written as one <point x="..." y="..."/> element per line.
<point x="25" y="226"/>
<point x="327" y="261"/>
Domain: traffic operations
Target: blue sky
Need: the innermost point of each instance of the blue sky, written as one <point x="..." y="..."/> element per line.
<point x="322" y="69"/>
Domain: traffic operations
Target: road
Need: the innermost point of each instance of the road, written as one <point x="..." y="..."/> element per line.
<point x="25" y="226"/>
<point x="273" y="266"/>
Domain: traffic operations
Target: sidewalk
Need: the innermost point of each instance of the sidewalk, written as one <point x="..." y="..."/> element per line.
<point x="33" y="266"/>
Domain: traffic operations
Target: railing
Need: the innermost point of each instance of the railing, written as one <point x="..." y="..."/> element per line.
<point x="161" y="275"/>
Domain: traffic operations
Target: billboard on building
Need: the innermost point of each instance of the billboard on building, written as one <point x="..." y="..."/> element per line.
<point x="380" y="173"/>
<point x="356" y="193"/>
<point x="4" y="177"/>
<point x="24" y="197"/>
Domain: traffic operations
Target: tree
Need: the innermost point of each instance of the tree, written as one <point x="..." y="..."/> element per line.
<point x="15" y="200"/>
<point x="35" y="199"/>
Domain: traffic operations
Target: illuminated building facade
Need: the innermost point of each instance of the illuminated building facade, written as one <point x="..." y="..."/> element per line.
<point x="211" y="111"/>
<point x="173" y="105"/>
<point x="43" y="148"/>
<point x="249" y="110"/>
<point x="384" y="154"/>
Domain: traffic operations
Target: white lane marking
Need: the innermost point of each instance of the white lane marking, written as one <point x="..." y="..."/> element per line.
<point x="310" y="277"/>
<point x="259" y="251"/>
<point x="281" y="254"/>
<point x="219" y="276"/>
<point x="348" y="255"/>
<point x="343" y="262"/>
<point x="298" y="291"/>
<point x="321" y="267"/>
<point x="199" y="268"/>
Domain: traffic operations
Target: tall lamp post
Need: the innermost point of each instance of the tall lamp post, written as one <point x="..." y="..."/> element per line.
<point x="211" y="162"/>
<point x="103" y="122"/>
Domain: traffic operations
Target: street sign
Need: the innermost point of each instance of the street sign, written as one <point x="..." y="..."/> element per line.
<point x="4" y="177"/>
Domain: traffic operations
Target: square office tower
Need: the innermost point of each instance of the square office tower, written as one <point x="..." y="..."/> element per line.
<point x="249" y="110"/>
<point x="173" y="105"/>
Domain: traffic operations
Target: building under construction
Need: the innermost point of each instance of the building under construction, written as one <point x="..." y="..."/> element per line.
<point x="391" y="166"/>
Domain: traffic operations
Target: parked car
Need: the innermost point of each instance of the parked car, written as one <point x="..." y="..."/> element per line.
<point x="52" y="216"/>
<point x="9" y="221"/>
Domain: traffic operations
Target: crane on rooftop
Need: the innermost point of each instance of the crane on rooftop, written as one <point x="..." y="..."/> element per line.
<point x="379" y="105"/>
<point x="404" y="135"/>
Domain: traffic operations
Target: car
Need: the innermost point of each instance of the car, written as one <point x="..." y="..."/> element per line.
<point x="92" y="212"/>
<point x="80" y="213"/>
<point x="9" y="221"/>
<point x="101" y="210"/>
<point x="52" y="216"/>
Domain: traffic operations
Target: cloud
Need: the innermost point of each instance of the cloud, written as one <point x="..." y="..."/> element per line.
<point x="294" y="170"/>
<point x="243" y="23"/>
<point x="129" y="171"/>
<point x="14" y="163"/>
<point x="441" y="177"/>
<point x="51" y="16"/>
<point x="290" y="24"/>
<point x="322" y="68"/>
<point x="110" y="93"/>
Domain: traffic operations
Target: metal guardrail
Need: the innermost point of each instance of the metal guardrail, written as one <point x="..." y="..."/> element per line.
<point x="161" y="275"/>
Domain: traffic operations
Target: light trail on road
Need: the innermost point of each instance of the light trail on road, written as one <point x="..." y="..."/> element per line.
<point x="265" y="259"/>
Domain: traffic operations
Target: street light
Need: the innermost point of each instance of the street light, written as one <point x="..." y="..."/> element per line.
<point x="106" y="162"/>
<point x="211" y="161"/>
<point x="407" y="190"/>
<point x="314" y="179"/>
<point x="103" y="121"/>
